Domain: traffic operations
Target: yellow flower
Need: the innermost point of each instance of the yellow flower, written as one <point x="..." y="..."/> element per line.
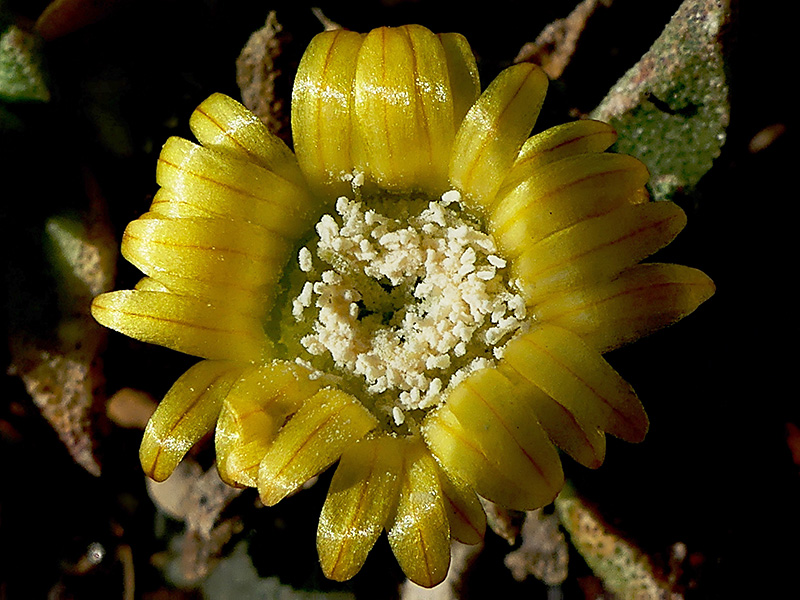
<point x="421" y="292"/>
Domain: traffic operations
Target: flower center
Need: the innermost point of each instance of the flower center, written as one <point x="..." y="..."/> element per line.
<point x="400" y="301"/>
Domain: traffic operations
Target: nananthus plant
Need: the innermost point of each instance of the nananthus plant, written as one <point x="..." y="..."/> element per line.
<point x="421" y="292"/>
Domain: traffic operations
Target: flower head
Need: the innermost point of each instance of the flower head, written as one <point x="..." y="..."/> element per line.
<point x="421" y="292"/>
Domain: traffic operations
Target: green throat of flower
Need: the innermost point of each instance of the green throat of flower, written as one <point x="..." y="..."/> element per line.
<point x="395" y="300"/>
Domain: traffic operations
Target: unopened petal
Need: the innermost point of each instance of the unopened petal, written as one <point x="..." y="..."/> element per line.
<point x="419" y="533"/>
<point x="596" y="248"/>
<point x="576" y="375"/>
<point x="322" y="105"/>
<point x="492" y="133"/>
<point x="641" y="300"/>
<point x="252" y="414"/>
<point x="362" y="495"/>
<point x="312" y="440"/>
<point x="222" y="123"/>
<point x="187" y="412"/>
<point x="183" y="323"/>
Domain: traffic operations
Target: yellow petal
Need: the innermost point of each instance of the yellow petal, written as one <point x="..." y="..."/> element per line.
<point x="187" y="412"/>
<point x="573" y="433"/>
<point x="169" y="204"/>
<point x="641" y="300"/>
<point x="558" y="362"/>
<point x="222" y="123"/>
<point x="182" y="323"/>
<point x="462" y="71"/>
<point x="404" y="109"/>
<point x="236" y="295"/>
<point x="595" y="249"/>
<point x="253" y="302"/>
<point x="148" y="284"/>
<point x="462" y="457"/>
<point x="253" y="412"/>
<point x="419" y="533"/>
<point x="322" y="105"/>
<point x="362" y="495"/>
<point x="497" y="429"/>
<point x="224" y="253"/>
<point x="311" y="441"/>
<point x="557" y="143"/>
<point x="226" y="437"/>
<point x="464" y="510"/>
<point x="492" y="133"/>
<point x="226" y="187"/>
<point x="561" y="194"/>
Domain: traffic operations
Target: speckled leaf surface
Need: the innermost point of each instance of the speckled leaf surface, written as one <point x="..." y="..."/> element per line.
<point x="22" y="77"/>
<point x="62" y="373"/>
<point x="624" y="570"/>
<point x="671" y="110"/>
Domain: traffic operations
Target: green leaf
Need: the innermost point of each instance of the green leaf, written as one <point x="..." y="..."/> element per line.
<point x="60" y="369"/>
<point x="22" y="76"/>
<point x="672" y="108"/>
<point x="83" y="258"/>
<point x="624" y="570"/>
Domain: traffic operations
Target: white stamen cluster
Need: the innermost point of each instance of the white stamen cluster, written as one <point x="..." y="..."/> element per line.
<point x="455" y="301"/>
